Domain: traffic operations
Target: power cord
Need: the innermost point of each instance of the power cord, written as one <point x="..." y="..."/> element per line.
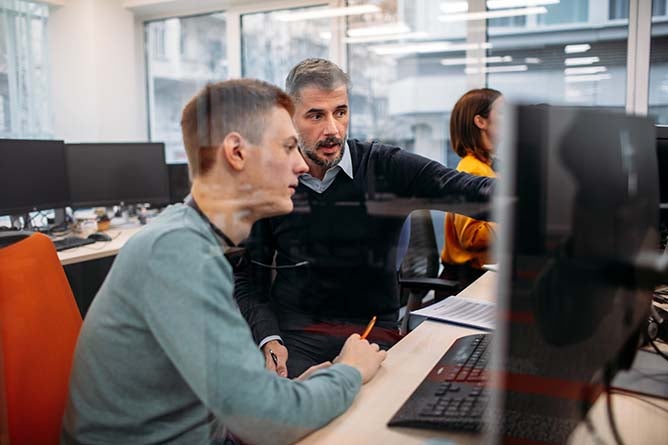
<point x="608" y="404"/>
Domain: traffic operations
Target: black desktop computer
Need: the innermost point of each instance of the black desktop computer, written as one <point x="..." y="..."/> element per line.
<point x="32" y="176"/>
<point x="578" y="206"/>
<point x="105" y="174"/>
<point x="179" y="182"/>
<point x="662" y="158"/>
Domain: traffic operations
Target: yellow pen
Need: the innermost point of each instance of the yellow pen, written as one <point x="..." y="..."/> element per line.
<point x="369" y="327"/>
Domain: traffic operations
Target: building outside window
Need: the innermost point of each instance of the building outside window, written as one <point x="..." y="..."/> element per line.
<point x="407" y="81"/>
<point x="658" y="65"/>
<point x="183" y="54"/>
<point x="24" y="95"/>
<point x="273" y="42"/>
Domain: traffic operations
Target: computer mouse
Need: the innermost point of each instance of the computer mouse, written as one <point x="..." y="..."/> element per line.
<point x="99" y="236"/>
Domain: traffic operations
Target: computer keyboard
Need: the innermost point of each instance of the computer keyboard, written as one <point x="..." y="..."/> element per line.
<point x="453" y="395"/>
<point x="71" y="242"/>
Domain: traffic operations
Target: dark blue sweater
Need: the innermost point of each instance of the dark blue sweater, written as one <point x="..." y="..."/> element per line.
<point x="350" y="249"/>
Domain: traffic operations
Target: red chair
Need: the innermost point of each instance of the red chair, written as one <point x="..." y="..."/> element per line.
<point x="39" y="325"/>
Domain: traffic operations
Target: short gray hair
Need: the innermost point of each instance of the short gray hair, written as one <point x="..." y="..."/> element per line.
<point x="320" y="73"/>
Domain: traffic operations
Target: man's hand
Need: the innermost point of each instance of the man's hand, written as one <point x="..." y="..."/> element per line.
<point x="361" y="354"/>
<point x="281" y="354"/>
<point x="306" y="374"/>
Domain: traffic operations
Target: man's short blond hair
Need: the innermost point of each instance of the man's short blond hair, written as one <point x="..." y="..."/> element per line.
<point x="220" y="108"/>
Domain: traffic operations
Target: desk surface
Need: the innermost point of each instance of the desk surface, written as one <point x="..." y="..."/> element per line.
<point x="100" y="249"/>
<point x="409" y="361"/>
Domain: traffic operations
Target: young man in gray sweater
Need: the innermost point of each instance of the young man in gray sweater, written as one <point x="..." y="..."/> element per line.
<point x="164" y="355"/>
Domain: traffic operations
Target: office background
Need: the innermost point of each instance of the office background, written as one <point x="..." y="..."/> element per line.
<point x="121" y="70"/>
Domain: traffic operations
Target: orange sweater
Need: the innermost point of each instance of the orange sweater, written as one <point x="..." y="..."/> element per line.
<point x="467" y="240"/>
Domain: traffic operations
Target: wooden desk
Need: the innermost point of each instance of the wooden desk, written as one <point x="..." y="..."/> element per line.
<point x="409" y="361"/>
<point x="100" y="249"/>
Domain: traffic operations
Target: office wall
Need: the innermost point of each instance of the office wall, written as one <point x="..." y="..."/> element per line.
<point x="97" y="80"/>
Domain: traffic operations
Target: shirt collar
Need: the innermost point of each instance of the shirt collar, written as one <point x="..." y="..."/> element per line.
<point x="345" y="164"/>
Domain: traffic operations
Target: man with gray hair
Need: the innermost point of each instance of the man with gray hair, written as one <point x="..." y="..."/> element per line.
<point x="335" y="261"/>
<point x="164" y="355"/>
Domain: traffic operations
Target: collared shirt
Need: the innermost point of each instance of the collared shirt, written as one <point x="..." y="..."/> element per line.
<point x="318" y="186"/>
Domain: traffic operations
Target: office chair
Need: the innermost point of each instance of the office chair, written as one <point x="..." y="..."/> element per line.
<point x="419" y="260"/>
<point x="39" y="325"/>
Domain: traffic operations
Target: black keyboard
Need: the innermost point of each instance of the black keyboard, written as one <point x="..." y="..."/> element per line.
<point x="71" y="242"/>
<point x="453" y="395"/>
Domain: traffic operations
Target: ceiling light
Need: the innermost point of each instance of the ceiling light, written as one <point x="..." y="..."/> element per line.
<point x="454" y="7"/>
<point x="384" y="38"/>
<point x="426" y="47"/>
<point x="492" y="14"/>
<point x="390" y="28"/>
<point x="322" y="13"/>
<point x="497" y="69"/>
<point x="585" y="70"/>
<point x="575" y="61"/>
<point x="500" y="4"/>
<point x="579" y="48"/>
<point x="475" y="60"/>
<point x="532" y="60"/>
<point x="590" y="78"/>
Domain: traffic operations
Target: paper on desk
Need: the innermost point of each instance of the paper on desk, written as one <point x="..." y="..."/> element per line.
<point x="463" y="311"/>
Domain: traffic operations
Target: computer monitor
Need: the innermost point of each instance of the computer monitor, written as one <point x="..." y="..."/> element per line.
<point x="110" y="173"/>
<point x="662" y="158"/>
<point x="179" y="182"/>
<point x="578" y="206"/>
<point x="32" y="175"/>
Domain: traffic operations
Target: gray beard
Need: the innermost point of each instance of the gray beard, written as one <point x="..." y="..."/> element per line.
<point x="326" y="164"/>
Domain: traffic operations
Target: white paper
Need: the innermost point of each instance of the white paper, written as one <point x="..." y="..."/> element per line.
<point x="462" y="311"/>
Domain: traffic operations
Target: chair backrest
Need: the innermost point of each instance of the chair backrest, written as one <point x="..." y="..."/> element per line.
<point x="39" y="325"/>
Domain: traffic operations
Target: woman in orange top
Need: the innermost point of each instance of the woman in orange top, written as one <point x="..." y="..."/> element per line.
<point x="474" y="128"/>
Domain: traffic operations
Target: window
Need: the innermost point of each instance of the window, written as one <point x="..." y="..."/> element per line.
<point x="273" y="42"/>
<point x="403" y="90"/>
<point x="183" y="54"/>
<point x="658" y="68"/>
<point x="568" y="53"/>
<point x="24" y="94"/>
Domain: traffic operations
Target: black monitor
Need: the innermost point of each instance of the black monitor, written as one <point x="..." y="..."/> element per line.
<point x="662" y="157"/>
<point x="109" y="173"/>
<point x="32" y="176"/>
<point x="579" y="207"/>
<point x="179" y="182"/>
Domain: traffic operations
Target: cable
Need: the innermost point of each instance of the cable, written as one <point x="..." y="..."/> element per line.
<point x="608" y="404"/>
<point x="656" y="348"/>
<point x="639" y="396"/>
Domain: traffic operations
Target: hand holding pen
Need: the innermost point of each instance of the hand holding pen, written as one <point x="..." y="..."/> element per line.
<point x="276" y="357"/>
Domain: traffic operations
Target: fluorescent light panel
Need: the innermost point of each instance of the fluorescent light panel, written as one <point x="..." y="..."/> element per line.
<point x="390" y="28"/>
<point x="579" y="48"/>
<point x="497" y="69"/>
<point x="576" y="61"/>
<point x="384" y="38"/>
<point x="491" y="14"/>
<point x="585" y="70"/>
<point x="326" y="13"/>
<point x="500" y="4"/>
<point x="474" y="60"/>
<point x="425" y="47"/>
<point x="463" y="6"/>
<point x="589" y="78"/>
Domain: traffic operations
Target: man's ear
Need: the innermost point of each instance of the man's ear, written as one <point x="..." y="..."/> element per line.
<point x="480" y="122"/>
<point x="232" y="151"/>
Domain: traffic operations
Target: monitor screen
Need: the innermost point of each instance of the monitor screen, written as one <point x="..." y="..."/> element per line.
<point x="111" y="173"/>
<point x="179" y="182"/>
<point x="579" y="204"/>
<point x="32" y="175"/>
<point x="662" y="157"/>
